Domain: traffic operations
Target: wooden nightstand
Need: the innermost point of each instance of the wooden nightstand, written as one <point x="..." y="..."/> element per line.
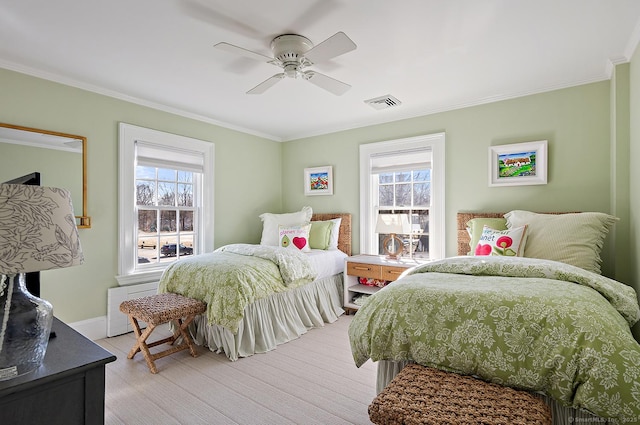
<point x="374" y="267"/>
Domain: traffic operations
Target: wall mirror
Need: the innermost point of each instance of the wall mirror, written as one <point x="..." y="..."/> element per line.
<point x="59" y="158"/>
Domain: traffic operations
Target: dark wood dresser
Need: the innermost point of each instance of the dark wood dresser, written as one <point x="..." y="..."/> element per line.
<point x="68" y="388"/>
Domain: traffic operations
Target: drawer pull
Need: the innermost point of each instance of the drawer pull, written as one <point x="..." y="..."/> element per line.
<point x="362" y="268"/>
<point x="394" y="272"/>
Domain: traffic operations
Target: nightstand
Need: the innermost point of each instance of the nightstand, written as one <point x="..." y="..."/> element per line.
<point x="373" y="267"/>
<point x="68" y="388"/>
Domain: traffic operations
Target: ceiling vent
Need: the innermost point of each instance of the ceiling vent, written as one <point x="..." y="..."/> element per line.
<point x="383" y="102"/>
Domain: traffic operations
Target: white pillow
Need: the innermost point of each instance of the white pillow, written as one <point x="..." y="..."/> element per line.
<point x="270" y="223"/>
<point x="505" y="243"/>
<point x="294" y="237"/>
<point x="335" y="233"/>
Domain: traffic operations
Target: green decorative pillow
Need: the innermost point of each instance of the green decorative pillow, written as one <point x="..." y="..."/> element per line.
<point x="574" y="238"/>
<point x="294" y="237"/>
<point x="506" y="243"/>
<point x="320" y="234"/>
<point x="475" y="227"/>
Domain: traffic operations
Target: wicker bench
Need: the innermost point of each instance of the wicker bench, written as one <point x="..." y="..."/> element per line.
<point x="423" y="395"/>
<point x="156" y="310"/>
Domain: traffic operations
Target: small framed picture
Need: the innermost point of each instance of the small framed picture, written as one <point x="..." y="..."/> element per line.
<point x="318" y="181"/>
<point x="518" y="164"/>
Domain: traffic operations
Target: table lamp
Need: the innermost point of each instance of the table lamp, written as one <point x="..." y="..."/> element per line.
<point x="393" y="224"/>
<point x="37" y="232"/>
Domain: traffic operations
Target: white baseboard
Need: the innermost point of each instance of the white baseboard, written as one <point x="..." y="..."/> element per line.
<point x="93" y="329"/>
<point x="115" y="322"/>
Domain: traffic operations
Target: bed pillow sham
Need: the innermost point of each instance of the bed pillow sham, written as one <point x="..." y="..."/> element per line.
<point x="335" y="233"/>
<point x="270" y="223"/>
<point x="505" y="243"/>
<point x="320" y="234"/>
<point x="475" y="227"/>
<point x="572" y="238"/>
<point x="295" y="237"/>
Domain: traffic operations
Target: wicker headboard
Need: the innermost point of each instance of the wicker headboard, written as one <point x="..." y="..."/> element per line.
<point x="464" y="217"/>
<point x="463" y="236"/>
<point x="344" y="238"/>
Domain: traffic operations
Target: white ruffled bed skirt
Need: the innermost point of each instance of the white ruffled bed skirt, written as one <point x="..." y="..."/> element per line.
<point x="562" y="415"/>
<point x="275" y="320"/>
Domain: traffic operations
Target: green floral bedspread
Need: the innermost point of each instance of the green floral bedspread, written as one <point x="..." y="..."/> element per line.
<point x="234" y="276"/>
<point x="532" y="324"/>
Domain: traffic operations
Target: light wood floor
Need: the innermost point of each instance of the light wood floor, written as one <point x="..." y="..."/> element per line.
<point x="311" y="380"/>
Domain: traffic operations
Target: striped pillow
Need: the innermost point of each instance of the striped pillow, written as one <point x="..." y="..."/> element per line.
<point x="573" y="238"/>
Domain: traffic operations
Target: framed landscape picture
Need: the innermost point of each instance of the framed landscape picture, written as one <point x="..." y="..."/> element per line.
<point x="518" y="164"/>
<point x="318" y="181"/>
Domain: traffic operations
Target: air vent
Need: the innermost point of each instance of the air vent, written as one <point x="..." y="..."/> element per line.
<point x="383" y="102"/>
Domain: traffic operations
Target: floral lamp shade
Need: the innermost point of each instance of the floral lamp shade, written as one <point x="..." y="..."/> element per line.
<point x="37" y="229"/>
<point x="37" y="232"/>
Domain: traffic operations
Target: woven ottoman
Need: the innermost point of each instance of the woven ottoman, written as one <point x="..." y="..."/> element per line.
<point x="423" y="395"/>
<point x="156" y="310"/>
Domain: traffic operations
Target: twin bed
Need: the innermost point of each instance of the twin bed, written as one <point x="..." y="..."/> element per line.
<point x="550" y="324"/>
<point x="538" y="317"/>
<point x="260" y="296"/>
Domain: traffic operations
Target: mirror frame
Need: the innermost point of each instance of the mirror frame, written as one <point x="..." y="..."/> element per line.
<point x="82" y="221"/>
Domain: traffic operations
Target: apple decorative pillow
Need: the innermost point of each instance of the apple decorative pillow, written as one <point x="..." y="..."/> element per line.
<point x="509" y="243"/>
<point x="294" y="237"/>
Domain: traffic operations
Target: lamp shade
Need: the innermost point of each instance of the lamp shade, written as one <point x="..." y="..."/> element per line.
<point x="37" y="229"/>
<point x="393" y="224"/>
<point x="37" y="232"/>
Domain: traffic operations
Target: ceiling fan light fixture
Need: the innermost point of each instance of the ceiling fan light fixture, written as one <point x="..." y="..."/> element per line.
<point x="293" y="53"/>
<point x="291" y="70"/>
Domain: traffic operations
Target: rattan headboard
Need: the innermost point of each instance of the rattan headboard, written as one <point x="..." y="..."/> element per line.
<point x="463" y="236"/>
<point x="464" y="217"/>
<point x="344" y="238"/>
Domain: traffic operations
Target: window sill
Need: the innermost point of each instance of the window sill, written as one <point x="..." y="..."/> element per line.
<point x="141" y="277"/>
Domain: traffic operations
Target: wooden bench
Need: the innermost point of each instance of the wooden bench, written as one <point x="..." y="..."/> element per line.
<point x="424" y="395"/>
<point x="156" y="310"/>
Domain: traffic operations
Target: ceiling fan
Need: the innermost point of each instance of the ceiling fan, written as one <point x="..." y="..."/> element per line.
<point x="294" y="53"/>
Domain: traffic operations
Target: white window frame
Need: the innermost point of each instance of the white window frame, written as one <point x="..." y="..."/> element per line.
<point x="368" y="211"/>
<point x="128" y="235"/>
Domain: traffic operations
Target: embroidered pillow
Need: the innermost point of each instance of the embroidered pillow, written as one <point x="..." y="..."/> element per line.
<point x="508" y="243"/>
<point x="294" y="237"/>
<point x="475" y="226"/>
<point x="270" y="223"/>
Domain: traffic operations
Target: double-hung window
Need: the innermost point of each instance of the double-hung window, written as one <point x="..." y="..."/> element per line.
<point x="404" y="177"/>
<point x="166" y="201"/>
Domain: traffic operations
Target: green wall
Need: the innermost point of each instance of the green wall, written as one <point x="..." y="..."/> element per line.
<point x="575" y="121"/>
<point x="18" y="160"/>
<point x="80" y="293"/>
<point x="586" y="160"/>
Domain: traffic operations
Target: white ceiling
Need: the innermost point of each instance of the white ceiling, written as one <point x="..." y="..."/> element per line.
<point x="432" y="55"/>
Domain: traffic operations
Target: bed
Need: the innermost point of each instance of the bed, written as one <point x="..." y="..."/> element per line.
<point x="278" y="293"/>
<point x="528" y="321"/>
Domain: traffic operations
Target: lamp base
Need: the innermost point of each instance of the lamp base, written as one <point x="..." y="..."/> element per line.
<point x="25" y="324"/>
<point x="393" y="246"/>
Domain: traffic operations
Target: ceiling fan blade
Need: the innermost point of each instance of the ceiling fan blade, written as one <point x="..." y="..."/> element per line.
<point x="242" y="51"/>
<point x="266" y="84"/>
<point x="314" y="13"/>
<point x="325" y="82"/>
<point x="203" y="11"/>
<point x="333" y="46"/>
